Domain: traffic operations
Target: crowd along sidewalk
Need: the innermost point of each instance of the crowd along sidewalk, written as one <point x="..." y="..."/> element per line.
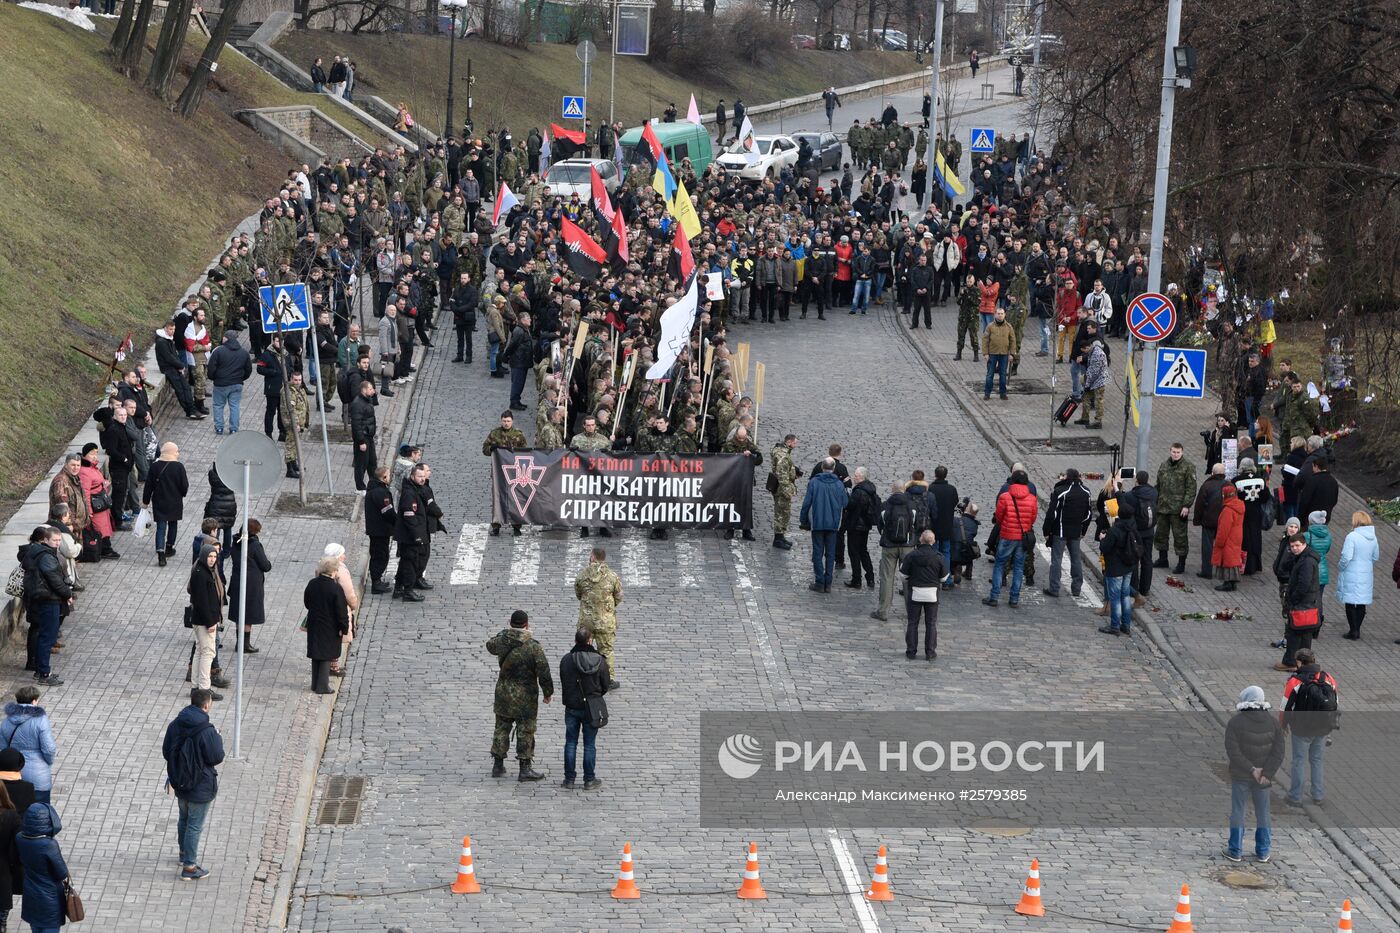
<point x="123" y="663"/>
<point x="1217" y="659"/>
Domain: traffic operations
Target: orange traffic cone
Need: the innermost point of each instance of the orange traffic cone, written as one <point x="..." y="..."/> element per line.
<point x="1344" y="924"/>
<point x="752" y="888"/>
<point x="880" y="880"/>
<point x="1181" y="920"/>
<point x="1030" y="905"/>
<point x="626" y="888"/>
<point x="466" y="876"/>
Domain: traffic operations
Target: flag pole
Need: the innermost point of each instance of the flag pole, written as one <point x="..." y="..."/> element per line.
<point x="758" y="373"/>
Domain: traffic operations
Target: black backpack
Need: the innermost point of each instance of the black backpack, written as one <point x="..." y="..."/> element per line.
<point x="1314" y="696"/>
<point x="186" y="768"/>
<point x="899" y="527"/>
<point x="921" y="520"/>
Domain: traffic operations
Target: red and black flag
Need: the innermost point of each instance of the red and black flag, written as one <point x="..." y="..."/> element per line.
<point x="566" y="142"/>
<point x="680" y="264"/>
<point x="585" y="257"/>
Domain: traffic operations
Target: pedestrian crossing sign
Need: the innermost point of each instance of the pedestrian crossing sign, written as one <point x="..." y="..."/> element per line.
<point x="573" y="108"/>
<point x="984" y="139"/>
<point x="287" y="304"/>
<point x="1181" y="373"/>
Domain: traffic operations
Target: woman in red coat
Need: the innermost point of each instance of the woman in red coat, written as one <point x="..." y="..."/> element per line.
<point x="93" y="482"/>
<point x="1227" y="556"/>
<point x="844" y="251"/>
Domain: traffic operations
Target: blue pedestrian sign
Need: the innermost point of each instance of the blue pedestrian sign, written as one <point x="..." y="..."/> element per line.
<point x="573" y="108"/>
<point x="984" y="139"/>
<point x="287" y="303"/>
<point x="1181" y="373"/>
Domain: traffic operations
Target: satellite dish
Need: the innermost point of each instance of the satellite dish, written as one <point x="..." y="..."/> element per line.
<point x="257" y="451"/>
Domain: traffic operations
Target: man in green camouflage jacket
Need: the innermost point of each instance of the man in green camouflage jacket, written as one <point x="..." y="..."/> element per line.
<point x="524" y="674"/>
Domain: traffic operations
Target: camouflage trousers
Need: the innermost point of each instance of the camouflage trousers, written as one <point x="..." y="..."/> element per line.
<point x="603" y="638"/>
<point x="524" y="738"/>
<point x="1169" y="525"/>
<point x="967" y="327"/>
<point x="782" y="512"/>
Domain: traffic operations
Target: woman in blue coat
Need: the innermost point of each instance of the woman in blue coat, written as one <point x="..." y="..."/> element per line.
<point x="27" y="730"/>
<point x="1355" y="570"/>
<point x="45" y="873"/>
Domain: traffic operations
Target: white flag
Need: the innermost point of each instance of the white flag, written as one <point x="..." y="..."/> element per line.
<point x="676" y="323"/>
<point x="544" y="154"/>
<point x="693" y="114"/>
<point x="745" y="145"/>
<point x="505" y="200"/>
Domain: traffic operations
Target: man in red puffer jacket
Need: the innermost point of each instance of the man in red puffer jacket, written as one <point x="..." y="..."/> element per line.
<point x="1015" y="516"/>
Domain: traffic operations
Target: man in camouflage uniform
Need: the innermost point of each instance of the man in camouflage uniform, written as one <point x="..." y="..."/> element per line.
<point x="967" y="317"/>
<point x="1176" y="493"/>
<point x="296" y="417"/>
<point x="551" y="433"/>
<point x="524" y="673"/>
<point x="855" y="139"/>
<point x="782" y="483"/>
<point x="741" y="443"/>
<point x="598" y="591"/>
<point x="588" y="440"/>
<point x="506" y="437"/>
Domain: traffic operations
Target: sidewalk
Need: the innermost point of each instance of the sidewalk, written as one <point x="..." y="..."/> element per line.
<point x="124" y="681"/>
<point x="1217" y="659"/>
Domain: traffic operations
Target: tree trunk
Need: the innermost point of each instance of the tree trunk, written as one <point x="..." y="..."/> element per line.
<point x="302" y="10"/>
<point x="123" y="30"/>
<point x="709" y="8"/>
<point x="168" y="46"/>
<point x="193" y="93"/>
<point x="135" y="48"/>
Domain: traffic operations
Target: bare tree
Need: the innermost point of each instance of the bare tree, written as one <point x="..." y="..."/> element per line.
<point x="193" y="94"/>
<point x="130" y="58"/>
<point x="123" y="30"/>
<point x="167" y="55"/>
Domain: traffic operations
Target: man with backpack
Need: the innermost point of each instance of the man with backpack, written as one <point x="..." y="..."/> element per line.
<point x="1310" y="714"/>
<point x="192" y="750"/>
<point x="897" y="539"/>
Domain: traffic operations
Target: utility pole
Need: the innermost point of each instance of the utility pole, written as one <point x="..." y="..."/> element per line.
<point x="1159" y="218"/>
<point x="612" y="65"/>
<point x="933" y="101"/>
<point x="1035" y="73"/>
<point x="456" y="5"/>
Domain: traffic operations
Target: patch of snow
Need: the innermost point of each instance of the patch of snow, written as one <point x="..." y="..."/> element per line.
<point x="76" y="16"/>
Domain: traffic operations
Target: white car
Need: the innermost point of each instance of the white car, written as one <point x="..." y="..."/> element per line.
<point x="570" y="176"/>
<point x="772" y="153"/>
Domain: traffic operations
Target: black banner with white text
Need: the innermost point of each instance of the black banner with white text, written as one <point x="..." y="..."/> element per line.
<point x="601" y="489"/>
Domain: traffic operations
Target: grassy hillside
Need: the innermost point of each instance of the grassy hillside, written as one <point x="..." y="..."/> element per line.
<point x="113" y="205"/>
<point x="524" y="87"/>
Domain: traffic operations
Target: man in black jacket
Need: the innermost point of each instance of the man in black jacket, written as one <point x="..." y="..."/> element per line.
<point x="133" y="386"/>
<point x="583" y="675"/>
<point x="1066" y="521"/>
<point x="896" y="541"/>
<point x="1205" y="513"/>
<point x="862" y="514"/>
<point x="923" y="568"/>
<point x="379" y="527"/>
<point x="116" y="442"/>
<point x="463" y="304"/>
<point x="942" y="500"/>
<point x="364" y="425"/>
<point x="1254" y="748"/>
<point x="228" y="368"/>
<point x="413" y="533"/>
<point x="1320" y="493"/>
<point x="1120" y="551"/>
<point x="45" y="587"/>
<point x="272" y="366"/>
<point x="519" y="353"/>
<point x="172" y="365"/>
<point x="921" y="287"/>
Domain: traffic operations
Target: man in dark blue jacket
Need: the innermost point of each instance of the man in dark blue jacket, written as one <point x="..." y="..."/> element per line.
<point x="822" y="508"/>
<point x="228" y="368"/>
<point x="942" y="510"/>
<point x="192" y="750"/>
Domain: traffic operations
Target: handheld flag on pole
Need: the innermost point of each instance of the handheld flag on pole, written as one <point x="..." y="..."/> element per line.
<point x="505" y="200"/>
<point x="693" y="114"/>
<point x="676" y="323"/>
<point x="617" y="156"/>
<point x="619" y="227"/>
<point x="947" y="179"/>
<point x="683" y="209"/>
<point x="566" y="142"/>
<point x="1132" y="391"/>
<point x="585" y="257"/>
<point x="663" y="181"/>
<point x="746" y="146"/>
<point x="544" y="154"/>
<point x="602" y="204"/>
<point x="681" y="263"/>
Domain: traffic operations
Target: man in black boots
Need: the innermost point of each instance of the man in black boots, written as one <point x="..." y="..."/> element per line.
<point x="380" y="519"/>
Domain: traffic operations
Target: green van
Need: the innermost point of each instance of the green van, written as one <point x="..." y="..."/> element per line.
<point x="679" y="140"/>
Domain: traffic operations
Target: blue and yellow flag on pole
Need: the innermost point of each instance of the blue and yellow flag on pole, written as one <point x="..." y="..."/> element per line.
<point x="1133" y="391"/>
<point x="947" y="179"/>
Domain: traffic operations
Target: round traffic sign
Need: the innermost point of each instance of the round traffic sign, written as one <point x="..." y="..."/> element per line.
<point x="586" y="52"/>
<point x="252" y="450"/>
<point x="1151" y="317"/>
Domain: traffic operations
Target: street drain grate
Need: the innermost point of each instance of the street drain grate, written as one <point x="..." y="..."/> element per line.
<point x="1015" y="386"/>
<point x="341" y="804"/>
<point x="1067" y="444"/>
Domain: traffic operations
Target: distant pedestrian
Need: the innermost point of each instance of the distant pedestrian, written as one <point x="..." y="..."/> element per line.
<point x="97" y="494"/>
<point x="337" y="77"/>
<point x="599" y="590"/>
<point x="28" y="730"/>
<point x="1016" y="513"/>
<point x="1205" y="514"/>
<point x="1356" y="572"/>
<point x="998" y="343"/>
<point x="205" y="614"/>
<point x="11" y="870"/>
<point x="974" y="61"/>
<point x="46" y="591"/>
<point x="1120" y="550"/>
<point x="228" y="368"/>
<point x="822" y="507"/>
<point x="45" y="873"/>
<point x="336" y="552"/>
<point x="1254" y="750"/>
<point x="364" y="426"/>
<point x="1310" y="714"/>
<point x="318" y="75"/>
<point x="1300" y="602"/>
<point x="258" y="567"/>
<point x="166" y="487"/>
<point x="380" y="519"/>
<point x="942" y="504"/>
<point x="1067" y="520"/>
<point x="897" y="539"/>
<point x="327" y="621"/>
<point x="832" y="100"/>
<point x="583" y="680"/>
<point x="862" y="515"/>
<point x="12" y="776"/>
<point x="523" y="675"/>
<point x="193" y="749"/>
<point x="923" y="570"/>
<point x="1226" y="556"/>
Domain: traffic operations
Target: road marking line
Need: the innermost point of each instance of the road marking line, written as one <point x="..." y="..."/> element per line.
<point x="1088" y="597"/>
<point x="760" y="635"/>
<point x="636" y="570"/>
<point x="580" y="551"/>
<point x="851" y="875"/>
<point x="688" y="560"/>
<point x="471" y="550"/>
<point x="525" y="561"/>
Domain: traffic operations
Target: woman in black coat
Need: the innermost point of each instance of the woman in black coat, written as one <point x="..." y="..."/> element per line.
<point x="206" y="614"/>
<point x="166" y="487"/>
<point x="11" y="870"/>
<point x="224" y="506"/>
<point x="327" y="619"/>
<point x="258" y="566"/>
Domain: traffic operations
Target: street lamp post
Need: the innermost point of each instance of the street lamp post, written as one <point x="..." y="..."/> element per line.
<point x="933" y="102"/>
<point x="455" y="5"/>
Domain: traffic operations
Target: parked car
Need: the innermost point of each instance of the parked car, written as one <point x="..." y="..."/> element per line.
<point x="804" y="42"/>
<point x="826" y="148"/>
<point x="773" y="153"/>
<point x="571" y="176"/>
<point x="838" y="41"/>
<point x="683" y="140"/>
<point x="891" y="40"/>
